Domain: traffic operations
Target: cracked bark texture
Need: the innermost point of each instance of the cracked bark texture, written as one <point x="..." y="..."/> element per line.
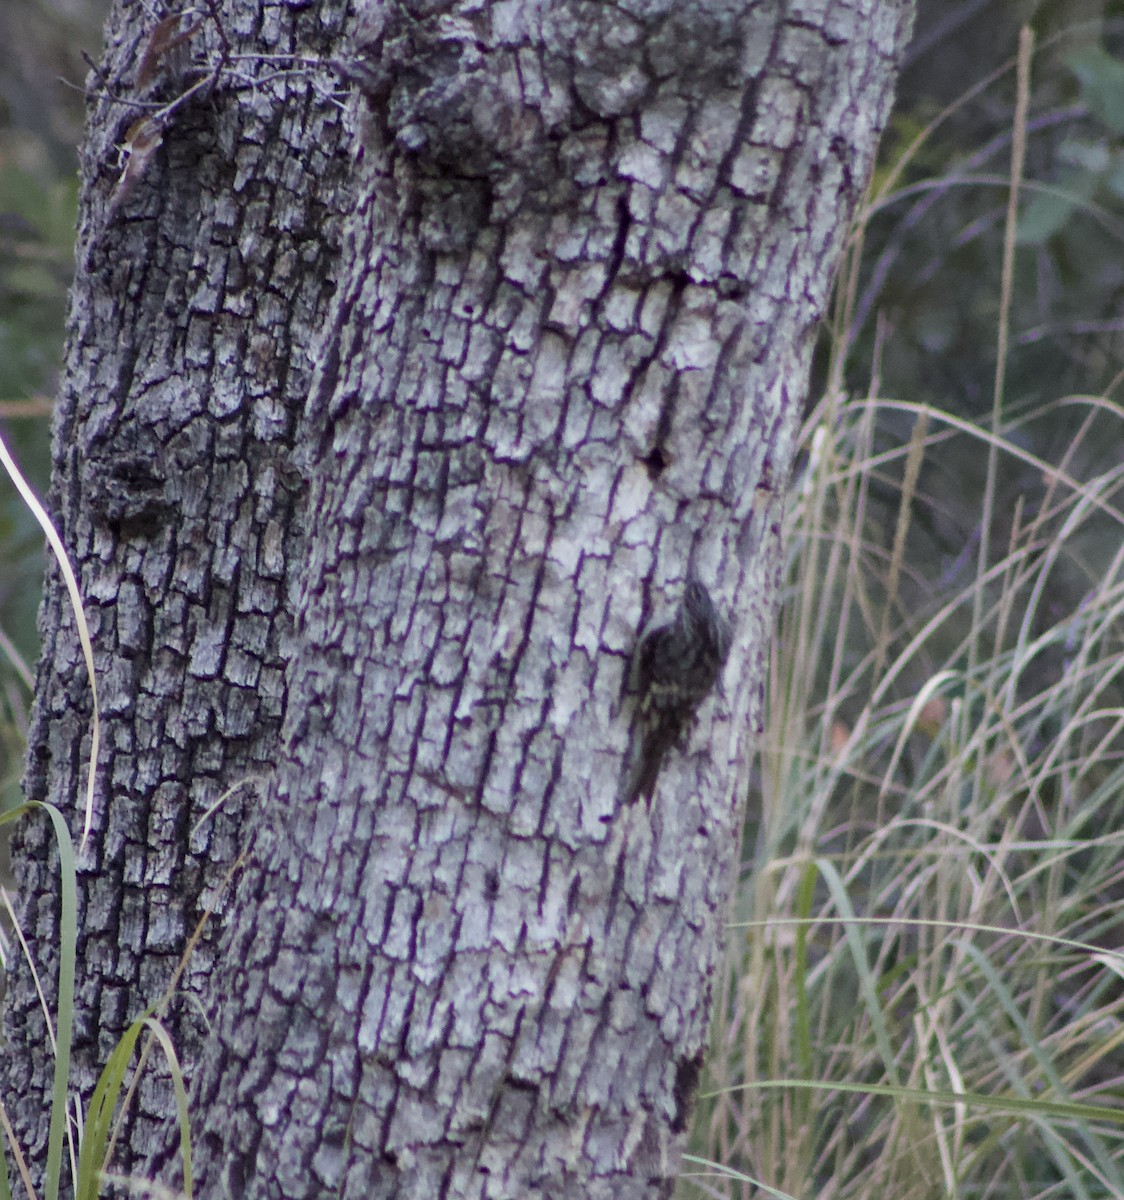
<point x="577" y="303"/>
<point x="585" y="251"/>
<point x="197" y="297"/>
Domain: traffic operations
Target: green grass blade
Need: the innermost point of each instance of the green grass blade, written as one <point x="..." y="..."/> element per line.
<point x="68" y="932"/>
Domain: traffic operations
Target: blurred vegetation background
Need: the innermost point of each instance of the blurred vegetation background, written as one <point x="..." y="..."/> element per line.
<point x="923" y="995"/>
<point x="934" y="838"/>
<point x="42" y="108"/>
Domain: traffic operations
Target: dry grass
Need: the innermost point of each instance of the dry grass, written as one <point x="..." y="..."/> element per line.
<point x="924" y="995"/>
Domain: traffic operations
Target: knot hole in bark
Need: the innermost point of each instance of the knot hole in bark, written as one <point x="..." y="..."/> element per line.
<point x="656" y="461"/>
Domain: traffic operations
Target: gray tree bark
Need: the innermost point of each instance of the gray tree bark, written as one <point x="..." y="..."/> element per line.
<point x="586" y="248"/>
<point x="205" y="269"/>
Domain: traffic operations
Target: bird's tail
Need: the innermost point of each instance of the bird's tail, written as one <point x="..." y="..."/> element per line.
<point x="646" y="769"/>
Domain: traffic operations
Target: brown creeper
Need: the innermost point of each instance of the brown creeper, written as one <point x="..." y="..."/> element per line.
<point x="678" y="665"/>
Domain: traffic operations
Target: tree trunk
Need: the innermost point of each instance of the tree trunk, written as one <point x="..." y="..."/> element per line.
<point x="205" y="269"/>
<point x="555" y="391"/>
